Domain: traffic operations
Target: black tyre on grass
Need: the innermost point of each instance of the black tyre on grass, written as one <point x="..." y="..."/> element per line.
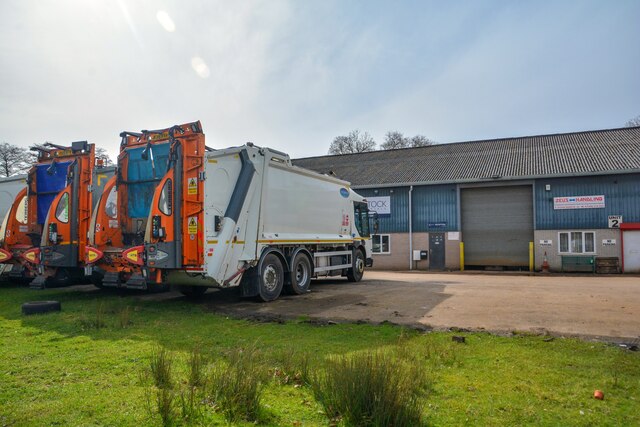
<point x="40" y="307"/>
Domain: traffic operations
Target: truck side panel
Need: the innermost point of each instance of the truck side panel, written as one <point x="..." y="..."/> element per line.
<point x="302" y="206"/>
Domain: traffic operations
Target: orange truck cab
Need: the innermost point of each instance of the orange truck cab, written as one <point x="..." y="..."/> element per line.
<point x="15" y="239"/>
<point x="46" y="227"/>
<point x="121" y="220"/>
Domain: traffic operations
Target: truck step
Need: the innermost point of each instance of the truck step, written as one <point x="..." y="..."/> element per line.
<point x="111" y="280"/>
<point x="136" y="281"/>
<point x="39" y="283"/>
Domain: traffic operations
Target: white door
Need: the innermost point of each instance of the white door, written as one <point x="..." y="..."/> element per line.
<point x="632" y="251"/>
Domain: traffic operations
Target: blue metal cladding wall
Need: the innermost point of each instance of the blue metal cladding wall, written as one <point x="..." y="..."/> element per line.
<point x="398" y="221"/>
<point x="435" y="204"/>
<point x="621" y="196"/>
<point x="430" y="203"/>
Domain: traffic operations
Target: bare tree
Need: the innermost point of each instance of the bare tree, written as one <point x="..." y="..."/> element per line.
<point x="633" y="122"/>
<point x="395" y="139"/>
<point x="13" y="159"/>
<point x="421" y="141"/>
<point x="354" y="142"/>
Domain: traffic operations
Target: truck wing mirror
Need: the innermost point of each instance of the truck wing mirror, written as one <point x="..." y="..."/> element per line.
<point x="145" y="153"/>
<point x="52" y="169"/>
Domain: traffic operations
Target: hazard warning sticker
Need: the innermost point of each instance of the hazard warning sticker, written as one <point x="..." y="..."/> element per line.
<point x="192" y="186"/>
<point x="192" y="225"/>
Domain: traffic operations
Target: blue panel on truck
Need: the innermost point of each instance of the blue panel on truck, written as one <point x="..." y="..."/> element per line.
<point x="620" y="198"/>
<point x="49" y="182"/>
<point x="143" y="176"/>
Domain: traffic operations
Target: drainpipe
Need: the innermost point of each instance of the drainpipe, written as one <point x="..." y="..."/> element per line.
<point x="410" y="231"/>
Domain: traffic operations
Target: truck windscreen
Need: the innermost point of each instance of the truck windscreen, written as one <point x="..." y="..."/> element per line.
<point x="51" y="179"/>
<point x="143" y="176"/>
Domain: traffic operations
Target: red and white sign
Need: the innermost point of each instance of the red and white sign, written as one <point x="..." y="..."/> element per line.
<point x="579" y="202"/>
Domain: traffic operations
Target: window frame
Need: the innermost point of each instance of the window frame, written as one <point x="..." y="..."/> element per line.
<point x="361" y="219"/>
<point x="570" y="241"/>
<point x="66" y="198"/>
<point x="382" y="235"/>
<point x="107" y="206"/>
<point x="22" y="211"/>
<point x="166" y="197"/>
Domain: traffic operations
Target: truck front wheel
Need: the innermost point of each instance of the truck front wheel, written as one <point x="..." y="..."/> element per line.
<point x="300" y="276"/>
<point x="355" y="273"/>
<point x="270" y="278"/>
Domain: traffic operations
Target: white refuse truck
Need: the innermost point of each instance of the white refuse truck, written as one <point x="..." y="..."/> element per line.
<point x="245" y="216"/>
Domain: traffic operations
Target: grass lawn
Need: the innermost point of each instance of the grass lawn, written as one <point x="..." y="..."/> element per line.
<point x="89" y="365"/>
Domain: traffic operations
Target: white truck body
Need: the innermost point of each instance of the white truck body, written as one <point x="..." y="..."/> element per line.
<point x="278" y="207"/>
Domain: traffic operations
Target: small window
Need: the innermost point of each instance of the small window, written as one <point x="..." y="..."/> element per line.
<point x="381" y="244"/>
<point x="577" y="242"/>
<point x="164" y="203"/>
<point x="22" y="211"/>
<point x="62" y="210"/>
<point x="111" y="206"/>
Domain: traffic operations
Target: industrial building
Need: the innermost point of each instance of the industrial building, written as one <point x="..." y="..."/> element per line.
<point x="570" y="200"/>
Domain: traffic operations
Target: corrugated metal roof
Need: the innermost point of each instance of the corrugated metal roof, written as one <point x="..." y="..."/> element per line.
<point x="578" y="153"/>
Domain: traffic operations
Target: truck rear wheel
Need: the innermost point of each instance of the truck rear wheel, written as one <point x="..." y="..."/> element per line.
<point x="270" y="278"/>
<point x="355" y="273"/>
<point x="299" y="279"/>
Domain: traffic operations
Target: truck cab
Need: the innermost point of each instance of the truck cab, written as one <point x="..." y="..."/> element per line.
<point x="45" y="229"/>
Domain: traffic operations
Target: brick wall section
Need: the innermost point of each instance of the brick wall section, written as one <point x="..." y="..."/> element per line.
<point x="554" y="258"/>
<point x="398" y="259"/>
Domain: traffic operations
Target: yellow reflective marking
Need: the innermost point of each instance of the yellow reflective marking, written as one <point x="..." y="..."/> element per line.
<point x="101" y="177"/>
<point x="133" y="256"/>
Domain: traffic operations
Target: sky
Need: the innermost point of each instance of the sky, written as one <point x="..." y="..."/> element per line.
<point x="292" y="75"/>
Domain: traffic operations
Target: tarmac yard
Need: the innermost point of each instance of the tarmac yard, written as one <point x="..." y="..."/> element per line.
<point x="606" y="307"/>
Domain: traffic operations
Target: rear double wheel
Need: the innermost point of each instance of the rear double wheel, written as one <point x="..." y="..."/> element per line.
<point x="270" y="277"/>
<point x="299" y="279"/>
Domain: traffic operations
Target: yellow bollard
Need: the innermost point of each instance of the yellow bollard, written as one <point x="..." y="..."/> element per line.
<point x="530" y="256"/>
<point x="461" y="256"/>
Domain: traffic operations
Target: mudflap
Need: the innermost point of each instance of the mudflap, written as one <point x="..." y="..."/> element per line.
<point x="249" y="286"/>
<point x="368" y="262"/>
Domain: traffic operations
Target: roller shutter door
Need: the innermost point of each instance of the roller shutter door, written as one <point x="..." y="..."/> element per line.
<point x="497" y="225"/>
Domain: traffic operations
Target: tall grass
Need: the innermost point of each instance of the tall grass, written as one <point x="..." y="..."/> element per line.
<point x="292" y="366"/>
<point x="98" y="319"/>
<point x="160" y="367"/>
<point x="370" y="389"/>
<point x="165" y="406"/>
<point x="197" y="365"/>
<point x="236" y="388"/>
<point x="124" y="317"/>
